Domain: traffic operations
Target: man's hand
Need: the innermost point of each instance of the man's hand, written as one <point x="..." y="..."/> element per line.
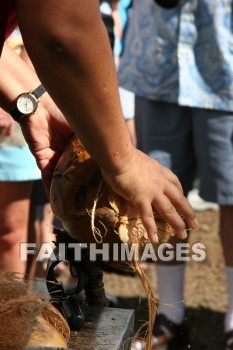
<point x="149" y="187"/>
<point x="47" y="133"/>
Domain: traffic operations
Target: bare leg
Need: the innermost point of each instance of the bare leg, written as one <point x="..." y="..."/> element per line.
<point x="40" y="231"/>
<point x="14" y="211"/>
<point x="33" y="237"/>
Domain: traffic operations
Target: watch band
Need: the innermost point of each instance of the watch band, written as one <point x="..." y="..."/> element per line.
<point x="39" y="91"/>
<point x="16" y="114"/>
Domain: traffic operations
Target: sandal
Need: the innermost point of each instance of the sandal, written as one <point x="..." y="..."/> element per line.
<point x="229" y="340"/>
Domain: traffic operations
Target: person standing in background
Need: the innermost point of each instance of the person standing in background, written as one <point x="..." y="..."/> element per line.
<point x="179" y="63"/>
<point x="21" y="191"/>
<point x="18" y="170"/>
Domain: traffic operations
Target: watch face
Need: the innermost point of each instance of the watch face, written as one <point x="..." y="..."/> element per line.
<point x="26" y="104"/>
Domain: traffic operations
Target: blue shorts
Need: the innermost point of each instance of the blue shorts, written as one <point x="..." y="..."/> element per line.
<point x="192" y="142"/>
<point x="18" y="164"/>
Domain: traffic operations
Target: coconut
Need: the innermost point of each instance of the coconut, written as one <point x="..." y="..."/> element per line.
<point x="25" y="319"/>
<point x="91" y="212"/>
<point x="51" y="329"/>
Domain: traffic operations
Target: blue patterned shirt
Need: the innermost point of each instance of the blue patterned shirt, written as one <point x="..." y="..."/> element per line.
<point x="183" y="55"/>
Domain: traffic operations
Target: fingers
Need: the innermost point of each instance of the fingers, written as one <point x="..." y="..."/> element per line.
<point x="168" y="213"/>
<point x="145" y="212"/>
<point x="173" y="208"/>
<point x="149" y="223"/>
<point x="182" y="205"/>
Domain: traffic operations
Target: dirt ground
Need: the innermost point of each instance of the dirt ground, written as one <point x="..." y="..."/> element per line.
<point x="205" y="289"/>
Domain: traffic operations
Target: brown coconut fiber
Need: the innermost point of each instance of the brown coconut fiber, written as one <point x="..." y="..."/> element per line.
<point x="25" y="319"/>
<point x="91" y="213"/>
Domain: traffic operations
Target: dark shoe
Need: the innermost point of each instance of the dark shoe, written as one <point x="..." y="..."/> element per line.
<point x="173" y="335"/>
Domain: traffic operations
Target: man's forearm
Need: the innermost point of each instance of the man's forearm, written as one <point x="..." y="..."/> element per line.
<point x="84" y="83"/>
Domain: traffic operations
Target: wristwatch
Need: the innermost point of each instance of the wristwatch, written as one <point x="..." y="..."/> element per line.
<point x="27" y="103"/>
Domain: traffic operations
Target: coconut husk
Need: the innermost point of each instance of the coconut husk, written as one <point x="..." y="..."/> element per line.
<point x="91" y="212"/>
<point x="25" y="319"/>
<point x="51" y="329"/>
